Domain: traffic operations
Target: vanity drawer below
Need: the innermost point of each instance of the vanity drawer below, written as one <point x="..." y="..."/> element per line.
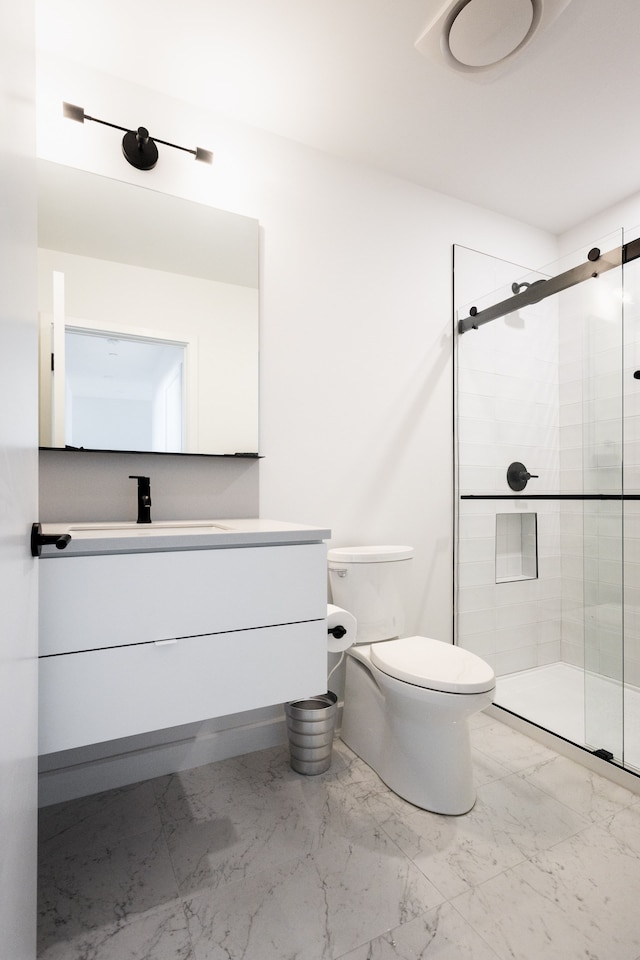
<point x="101" y="695"/>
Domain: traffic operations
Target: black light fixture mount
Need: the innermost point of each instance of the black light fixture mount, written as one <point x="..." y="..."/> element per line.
<point x="138" y="147"/>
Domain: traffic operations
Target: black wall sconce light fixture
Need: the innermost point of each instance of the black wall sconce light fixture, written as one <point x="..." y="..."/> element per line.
<point x="138" y="147"/>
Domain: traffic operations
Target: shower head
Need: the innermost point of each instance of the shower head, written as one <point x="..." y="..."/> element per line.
<point x="519" y="287"/>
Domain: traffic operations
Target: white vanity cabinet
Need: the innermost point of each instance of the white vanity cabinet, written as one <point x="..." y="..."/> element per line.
<point x="136" y="642"/>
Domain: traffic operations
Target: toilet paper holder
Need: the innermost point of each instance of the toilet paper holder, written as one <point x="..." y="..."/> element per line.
<point x="341" y="629"/>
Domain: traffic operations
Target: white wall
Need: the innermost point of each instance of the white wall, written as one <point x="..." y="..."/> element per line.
<point x="604" y="226"/>
<point x="18" y="488"/>
<point x="356" y="334"/>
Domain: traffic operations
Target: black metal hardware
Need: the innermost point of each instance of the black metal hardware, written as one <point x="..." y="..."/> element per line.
<point x="519" y="287"/>
<point x="338" y="631"/>
<point x="139" y="149"/>
<point x="552" y="496"/>
<point x="40" y="540"/>
<point x="144" y="497"/>
<point x="542" y="289"/>
<point x="636" y="374"/>
<point x="603" y="754"/>
<point x="518" y="476"/>
<point x="137" y="146"/>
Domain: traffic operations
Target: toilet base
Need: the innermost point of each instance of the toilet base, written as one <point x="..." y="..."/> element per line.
<point x="416" y="740"/>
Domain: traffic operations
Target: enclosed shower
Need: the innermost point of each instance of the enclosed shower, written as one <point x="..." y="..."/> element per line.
<point x="547" y="488"/>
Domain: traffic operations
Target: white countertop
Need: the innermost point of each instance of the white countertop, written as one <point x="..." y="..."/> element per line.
<point x="93" y="539"/>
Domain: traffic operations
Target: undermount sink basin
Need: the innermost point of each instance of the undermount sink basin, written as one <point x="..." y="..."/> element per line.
<point x="157" y="526"/>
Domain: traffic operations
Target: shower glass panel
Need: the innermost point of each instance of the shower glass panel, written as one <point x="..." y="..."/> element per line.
<point x="592" y="324"/>
<point x="631" y="508"/>
<point x="541" y="388"/>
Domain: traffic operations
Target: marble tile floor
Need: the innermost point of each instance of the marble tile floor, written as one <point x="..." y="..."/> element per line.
<point x="246" y="860"/>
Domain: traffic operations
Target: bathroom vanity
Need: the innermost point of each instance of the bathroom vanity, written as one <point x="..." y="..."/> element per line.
<point x="142" y="630"/>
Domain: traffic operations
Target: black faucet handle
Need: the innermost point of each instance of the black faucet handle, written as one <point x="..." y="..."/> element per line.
<point x="144" y="497"/>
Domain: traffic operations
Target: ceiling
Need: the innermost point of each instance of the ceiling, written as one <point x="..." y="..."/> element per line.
<point x="551" y="141"/>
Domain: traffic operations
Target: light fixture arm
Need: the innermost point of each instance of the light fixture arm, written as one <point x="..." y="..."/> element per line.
<point x="138" y="147"/>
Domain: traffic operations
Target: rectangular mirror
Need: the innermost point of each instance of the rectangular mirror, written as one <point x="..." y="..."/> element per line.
<point x="148" y="319"/>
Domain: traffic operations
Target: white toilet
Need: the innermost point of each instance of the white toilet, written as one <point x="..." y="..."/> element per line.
<point x="407" y="700"/>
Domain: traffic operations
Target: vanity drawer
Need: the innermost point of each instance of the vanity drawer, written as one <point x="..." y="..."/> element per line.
<point x="106" y="694"/>
<point x="88" y="603"/>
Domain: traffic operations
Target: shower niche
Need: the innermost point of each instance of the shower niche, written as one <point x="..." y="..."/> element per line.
<point x="516" y="547"/>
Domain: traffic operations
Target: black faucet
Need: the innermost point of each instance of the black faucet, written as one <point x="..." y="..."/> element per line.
<point x="144" y="498"/>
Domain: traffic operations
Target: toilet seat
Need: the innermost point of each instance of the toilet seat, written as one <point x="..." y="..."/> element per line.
<point x="433" y="664"/>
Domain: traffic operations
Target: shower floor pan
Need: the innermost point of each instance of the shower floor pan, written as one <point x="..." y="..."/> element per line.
<point x="553" y="697"/>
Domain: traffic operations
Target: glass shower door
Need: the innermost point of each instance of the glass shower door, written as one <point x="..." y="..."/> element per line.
<point x="541" y="383"/>
<point x="631" y="515"/>
<point x="594" y="317"/>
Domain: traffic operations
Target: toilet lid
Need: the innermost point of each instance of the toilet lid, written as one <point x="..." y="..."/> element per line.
<point x="433" y="664"/>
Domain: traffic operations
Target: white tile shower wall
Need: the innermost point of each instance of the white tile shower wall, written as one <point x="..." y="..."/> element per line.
<point x="507" y="410"/>
<point x="516" y="624"/>
<point x="591" y="431"/>
<point x="570" y="393"/>
<point x="572" y="584"/>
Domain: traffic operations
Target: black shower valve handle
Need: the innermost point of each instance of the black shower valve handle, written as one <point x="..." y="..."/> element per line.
<point x="518" y="476"/>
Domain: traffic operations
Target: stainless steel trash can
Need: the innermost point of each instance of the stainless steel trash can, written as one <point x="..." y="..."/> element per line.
<point x="311" y="725"/>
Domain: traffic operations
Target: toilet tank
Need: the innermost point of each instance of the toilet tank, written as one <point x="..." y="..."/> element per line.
<point x="372" y="584"/>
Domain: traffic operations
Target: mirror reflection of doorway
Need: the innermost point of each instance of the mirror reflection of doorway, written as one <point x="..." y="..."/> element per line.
<point x="123" y="393"/>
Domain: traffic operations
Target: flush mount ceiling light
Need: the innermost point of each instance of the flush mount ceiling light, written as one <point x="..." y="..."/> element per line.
<point x="480" y="37"/>
<point x="137" y="146"/>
